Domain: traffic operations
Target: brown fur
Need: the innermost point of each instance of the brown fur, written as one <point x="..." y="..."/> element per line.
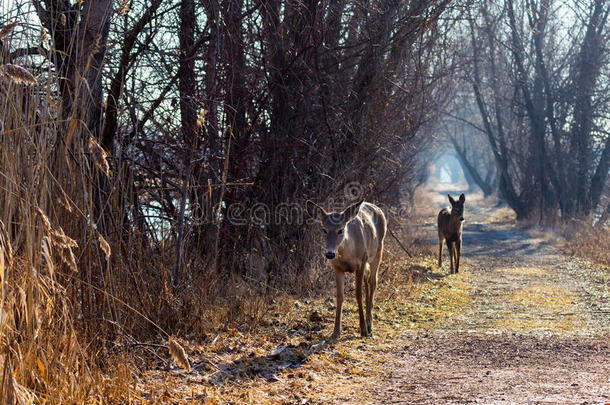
<point x="354" y="244"/>
<point x="450" y="223"/>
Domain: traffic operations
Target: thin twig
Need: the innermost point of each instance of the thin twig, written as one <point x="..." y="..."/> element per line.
<point x="400" y="243"/>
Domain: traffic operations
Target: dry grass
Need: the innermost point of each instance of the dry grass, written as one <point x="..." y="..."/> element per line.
<point x="587" y="241"/>
<point x="547" y="298"/>
<point x="520" y="323"/>
<point x="527" y="271"/>
<point x="50" y="352"/>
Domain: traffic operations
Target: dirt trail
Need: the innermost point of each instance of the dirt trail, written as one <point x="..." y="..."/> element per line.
<point x="535" y="331"/>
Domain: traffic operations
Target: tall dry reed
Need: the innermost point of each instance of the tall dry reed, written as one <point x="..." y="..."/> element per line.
<point x="50" y="250"/>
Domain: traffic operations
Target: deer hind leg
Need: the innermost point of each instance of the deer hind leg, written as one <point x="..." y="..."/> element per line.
<point x="372" y="287"/>
<point x="367" y="295"/>
<point x="450" y="248"/>
<point x="340" y="284"/>
<point x="458" y="251"/>
<point x="440" y="250"/>
<point x="359" y="286"/>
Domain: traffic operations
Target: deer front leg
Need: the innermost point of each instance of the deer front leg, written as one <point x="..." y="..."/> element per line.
<point x="450" y="247"/>
<point x="458" y="250"/>
<point x="440" y="251"/>
<point x="340" y="287"/>
<point x="359" y="286"/>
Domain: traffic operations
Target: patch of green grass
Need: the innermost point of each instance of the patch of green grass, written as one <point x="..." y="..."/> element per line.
<point x="553" y="306"/>
<point x="429" y="304"/>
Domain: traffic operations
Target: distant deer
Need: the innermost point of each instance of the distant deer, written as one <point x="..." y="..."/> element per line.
<point x="450" y="224"/>
<point x="354" y="244"/>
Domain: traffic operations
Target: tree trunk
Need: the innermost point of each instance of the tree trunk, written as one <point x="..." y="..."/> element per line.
<point x="188" y="119"/>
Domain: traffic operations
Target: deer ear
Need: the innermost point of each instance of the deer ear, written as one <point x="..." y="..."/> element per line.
<point x="462" y="198"/>
<point x="451" y="200"/>
<point x="350" y="212"/>
<point x="314" y="210"/>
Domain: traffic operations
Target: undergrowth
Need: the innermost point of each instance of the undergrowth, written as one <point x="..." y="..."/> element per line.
<point x="591" y="242"/>
<point x="290" y="344"/>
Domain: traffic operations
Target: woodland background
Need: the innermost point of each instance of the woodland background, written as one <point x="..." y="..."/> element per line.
<point x="133" y="132"/>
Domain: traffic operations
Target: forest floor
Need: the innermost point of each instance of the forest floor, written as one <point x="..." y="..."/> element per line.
<point x="521" y="323"/>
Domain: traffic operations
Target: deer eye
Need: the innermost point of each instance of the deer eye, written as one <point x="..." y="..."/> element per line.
<point x="340" y="232"/>
<point x="324" y="230"/>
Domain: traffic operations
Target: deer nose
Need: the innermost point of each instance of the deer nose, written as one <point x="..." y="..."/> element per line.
<point x="461" y="218"/>
<point x="330" y="255"/>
